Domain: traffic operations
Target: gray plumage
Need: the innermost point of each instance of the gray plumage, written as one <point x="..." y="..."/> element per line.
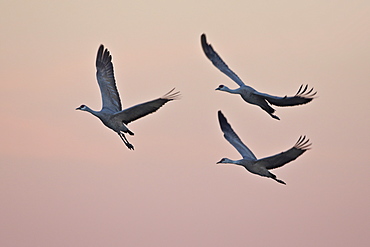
<point x="249" y="160"/>
<point x="249" y="94"/>
<point x="111" y="113"/>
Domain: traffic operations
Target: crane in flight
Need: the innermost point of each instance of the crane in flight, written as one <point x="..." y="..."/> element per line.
<point x="259" y="166"/>
<point x="111" y="113"/>
<point x="249" y="94"/>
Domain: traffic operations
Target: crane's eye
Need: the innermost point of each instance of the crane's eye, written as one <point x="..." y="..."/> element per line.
<point x="221" y="86"/>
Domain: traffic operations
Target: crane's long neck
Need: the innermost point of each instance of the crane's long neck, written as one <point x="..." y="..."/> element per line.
<point x="233" y="91"/>
<point x="229" y="161"/>
<point x="95" y="113"/>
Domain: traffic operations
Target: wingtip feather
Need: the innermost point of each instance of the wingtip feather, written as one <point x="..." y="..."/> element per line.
<point x="224" y="124"/>
<point x="303" y="143"/>
<point x="221" y="116"/>
<point x="103" y="55"/>
<point x="203" y="37"/>
<point x="204" y="43"/>
<point x="305" y="92"/>
<point x="172" y="95"/>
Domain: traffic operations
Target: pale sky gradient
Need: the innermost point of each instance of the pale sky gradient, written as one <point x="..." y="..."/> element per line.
<point x="67" y="180"/>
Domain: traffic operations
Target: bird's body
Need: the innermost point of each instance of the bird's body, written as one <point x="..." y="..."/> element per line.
<point x="250" y="162"/>
<point x="249" y="94"/>
<point x="111" y="113"/>
<point x="112" y="121"/>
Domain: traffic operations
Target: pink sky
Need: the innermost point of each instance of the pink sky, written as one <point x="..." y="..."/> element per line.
<point x="67" y="180"/>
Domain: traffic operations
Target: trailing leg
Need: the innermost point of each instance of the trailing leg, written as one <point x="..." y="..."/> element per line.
<point x="274" y="116"/>
<point x="273" y="176"/>
<point x="267" y="108"/>
<point x="123" y="138"/>
<point x="279" y="181"/>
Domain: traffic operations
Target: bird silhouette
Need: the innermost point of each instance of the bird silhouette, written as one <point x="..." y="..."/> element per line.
<point x="249" y="94"/>
<point x="111" y="113"/>
<point x="260" y="166"/>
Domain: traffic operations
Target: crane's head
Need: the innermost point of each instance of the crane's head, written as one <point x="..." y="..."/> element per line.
<point x="82" y="108"/>
<point x="222" y="88"/>
<point x="225" y="161"/>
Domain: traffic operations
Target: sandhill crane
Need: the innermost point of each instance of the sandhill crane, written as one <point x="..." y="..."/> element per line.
<point x="250" y="95"/>
<point x="260" y="166"/>
<point x="111" y="113"/>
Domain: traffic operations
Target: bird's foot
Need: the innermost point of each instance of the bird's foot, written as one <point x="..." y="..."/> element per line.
<point x="279" y="181"/>
<point x="130" y="146"/>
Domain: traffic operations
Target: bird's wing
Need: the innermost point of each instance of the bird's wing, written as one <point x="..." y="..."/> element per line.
<point x="138" y="111"/>
<point x="282" y="158"/>
<point x="106" y="81"/>
<point x="218" y="62"/>
<point x="234" y="139"/>
<point x="303" y="96"/>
